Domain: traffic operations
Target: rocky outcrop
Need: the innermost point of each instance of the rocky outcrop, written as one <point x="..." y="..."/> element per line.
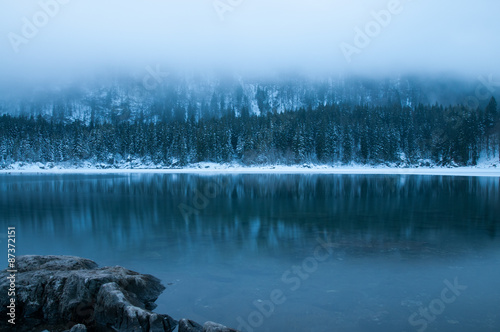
<point x="58" y="292"/>
<point x="186" y="325"/>
<point x="72" y="294"/>
<point x="119" y="308"/>
<point x="78" y="328"/>
<point x="214" y="327"/>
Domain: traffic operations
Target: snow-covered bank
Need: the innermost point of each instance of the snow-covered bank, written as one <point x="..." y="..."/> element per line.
<point x="490" y="169"/>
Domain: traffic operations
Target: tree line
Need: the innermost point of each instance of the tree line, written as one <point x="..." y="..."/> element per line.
<point x="326" y="134"/>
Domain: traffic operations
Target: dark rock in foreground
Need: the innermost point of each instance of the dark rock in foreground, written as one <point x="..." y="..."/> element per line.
<point x="78" y="328"/>
<point x="214" y="327"/>
<point x="57" y="293"/>
<point x="186" y="325"/>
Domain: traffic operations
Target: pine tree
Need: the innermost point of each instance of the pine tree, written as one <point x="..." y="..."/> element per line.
<point x="490" y="121"/>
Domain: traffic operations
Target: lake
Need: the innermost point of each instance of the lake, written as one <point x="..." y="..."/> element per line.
<point x="278" y="252"/>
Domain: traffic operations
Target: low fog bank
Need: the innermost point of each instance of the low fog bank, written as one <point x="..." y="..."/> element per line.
<point x="59" y="42"/>
<point x="163" y="89"/>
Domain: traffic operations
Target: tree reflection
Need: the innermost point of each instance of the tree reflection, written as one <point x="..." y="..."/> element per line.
<point x="362" y="213"/>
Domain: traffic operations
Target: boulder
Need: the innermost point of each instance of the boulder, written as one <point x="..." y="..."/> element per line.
<point x="186" y="325"/>
<point x="72" y="294"/>
<point x="59" y="292"/>
<point x="78" y="328"/>
<point x="118" y="308"/>
<point x="214" y="327"/>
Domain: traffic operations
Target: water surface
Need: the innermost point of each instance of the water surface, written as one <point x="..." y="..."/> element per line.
<point x="225" y="245"/>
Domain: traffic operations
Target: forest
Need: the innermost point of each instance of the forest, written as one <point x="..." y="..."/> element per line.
<point x="332" y="134"/>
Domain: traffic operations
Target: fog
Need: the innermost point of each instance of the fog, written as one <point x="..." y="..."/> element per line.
<point x="61" y="39"/>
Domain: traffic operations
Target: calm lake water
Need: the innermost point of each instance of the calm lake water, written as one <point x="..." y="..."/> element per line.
<point x="334" y="252"/>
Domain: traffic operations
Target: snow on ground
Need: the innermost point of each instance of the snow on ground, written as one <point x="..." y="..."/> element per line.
<point x="489" y="168"/>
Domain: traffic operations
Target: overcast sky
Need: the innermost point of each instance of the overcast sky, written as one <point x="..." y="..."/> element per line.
<point x="84" y="36"/>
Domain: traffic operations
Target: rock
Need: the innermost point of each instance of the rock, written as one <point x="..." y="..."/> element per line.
<point x="72" y="294"/>
<point x="214" y="327"/>
<point x="78" y="328"/>
<point x="57" y="292"/>
<point x="186" y="325"/>
<point x="53" y="263"/>
<point x="118" y="308"/>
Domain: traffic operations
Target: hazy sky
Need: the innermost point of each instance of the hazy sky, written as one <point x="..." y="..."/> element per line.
<point x="53" y="38"/>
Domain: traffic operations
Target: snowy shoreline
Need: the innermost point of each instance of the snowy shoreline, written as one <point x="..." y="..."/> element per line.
<point x="212" y="168"/>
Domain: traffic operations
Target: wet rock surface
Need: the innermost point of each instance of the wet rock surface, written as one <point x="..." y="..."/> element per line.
<point x="186" y="325"/>
<point x="67" y="293"/>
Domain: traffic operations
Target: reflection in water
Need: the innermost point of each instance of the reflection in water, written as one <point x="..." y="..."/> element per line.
<point x="239" y="233"/>
<point x="276" y="211"/>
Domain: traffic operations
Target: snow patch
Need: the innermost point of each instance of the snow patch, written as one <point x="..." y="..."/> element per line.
<point x="424" y="167"/>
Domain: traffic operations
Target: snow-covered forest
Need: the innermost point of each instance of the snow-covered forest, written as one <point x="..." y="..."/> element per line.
<point x="401" y="122"/>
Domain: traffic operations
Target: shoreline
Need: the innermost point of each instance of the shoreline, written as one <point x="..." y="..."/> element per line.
<point x="224" y="169"/>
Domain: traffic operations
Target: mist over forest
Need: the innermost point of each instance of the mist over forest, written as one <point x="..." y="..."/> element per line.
<point x="168" y="84"/>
